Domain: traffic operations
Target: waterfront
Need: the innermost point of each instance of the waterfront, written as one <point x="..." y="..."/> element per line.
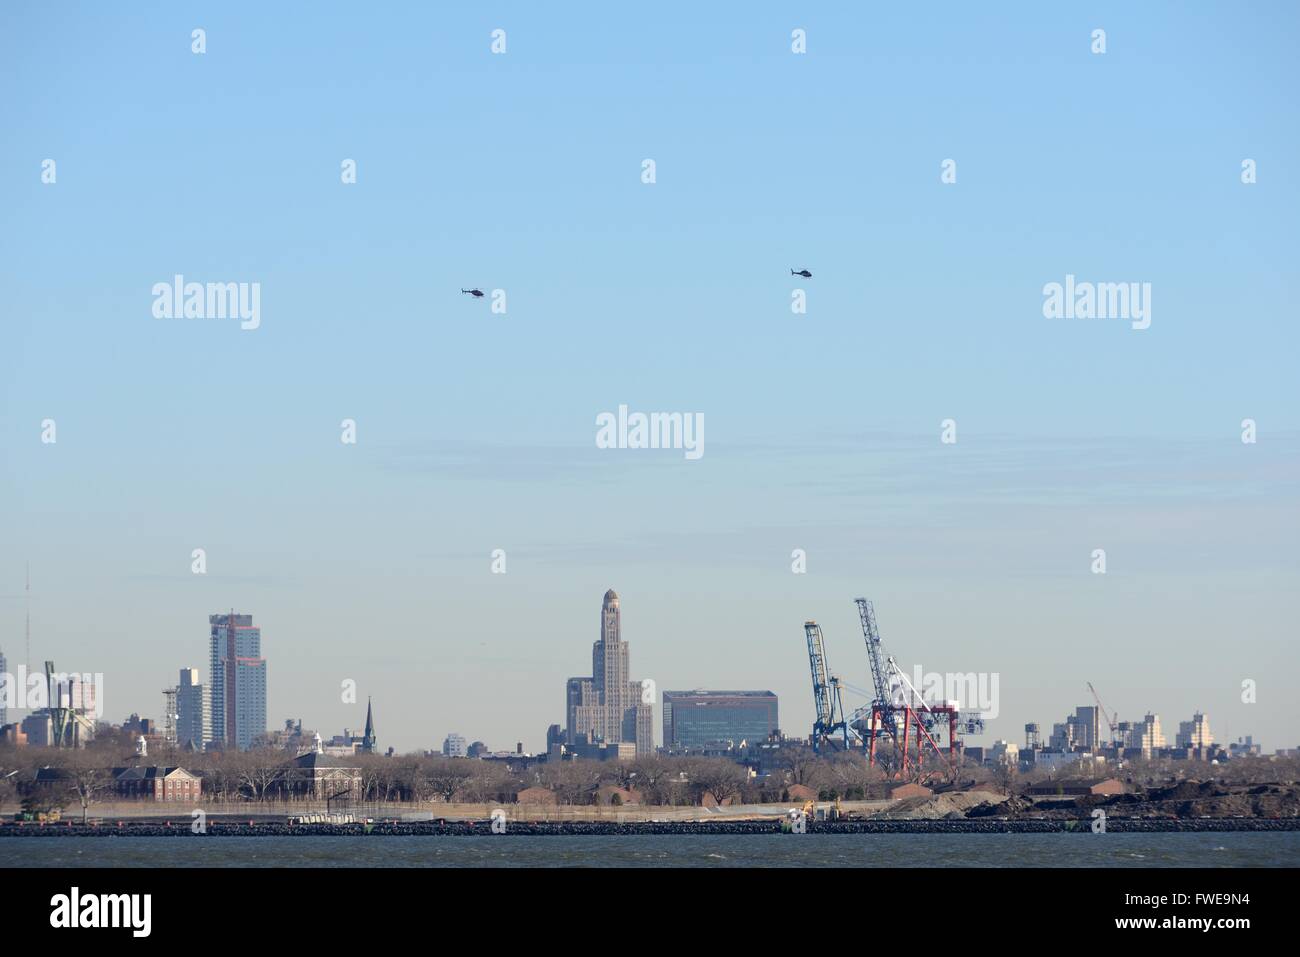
<point x="1234" y="849"/>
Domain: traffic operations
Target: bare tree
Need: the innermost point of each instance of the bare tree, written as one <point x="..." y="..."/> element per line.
<point x="383" y="776"/>
<point x="410" y="779"/>
<point x="652" y="776"/>
<point x="572" y="781"/>
<point x="801" y="765"/>
<point x="220" y="782"/>
<point x="371" y="768"/>
<point x="846" y="773"/>
<point x="485" y="782"/>
<point x="256" y="771"/>
<point x="720" y="777"/>
<point x="1004" y="776"/>
<point x="447" y="776"/>
<point x="87" y="778"/>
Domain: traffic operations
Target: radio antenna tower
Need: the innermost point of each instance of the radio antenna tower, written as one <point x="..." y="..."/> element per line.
<point x="28" y="628"/>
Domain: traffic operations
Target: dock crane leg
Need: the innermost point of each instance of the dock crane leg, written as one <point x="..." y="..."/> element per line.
<point x="907" y="726"/>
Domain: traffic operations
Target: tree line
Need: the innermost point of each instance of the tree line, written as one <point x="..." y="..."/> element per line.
<point x="252" y="776"/>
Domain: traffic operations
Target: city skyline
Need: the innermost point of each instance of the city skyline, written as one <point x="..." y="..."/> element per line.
<point x="348" y="466"/>
<point x="198" y="704"/>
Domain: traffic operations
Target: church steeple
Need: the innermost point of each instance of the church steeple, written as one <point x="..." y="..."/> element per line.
<point x="368" y="742"/>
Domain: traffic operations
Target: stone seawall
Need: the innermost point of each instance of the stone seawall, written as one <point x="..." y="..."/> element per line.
<point x="607" y="828"/>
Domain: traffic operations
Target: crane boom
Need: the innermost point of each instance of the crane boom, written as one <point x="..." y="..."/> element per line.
<point x="879" y="676"/>
<point x="1114" y="731"/>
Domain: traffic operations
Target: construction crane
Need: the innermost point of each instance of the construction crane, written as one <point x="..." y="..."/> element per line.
<point x="67" y="725"/>
<point x="826" y="692"/>
<point x="60" y="717"/>
<point x="1112" y="720"/>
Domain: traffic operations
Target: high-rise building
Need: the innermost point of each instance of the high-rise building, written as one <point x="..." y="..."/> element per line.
<point x="5" y="690"/>
<point x="608" y="707"/>
<point x="1147" y="734"/>
<point x="453" y="746"/>
<point x="237" y="693"/>
<point x="1081" y="731"/>
<point x="1087" y="720"/>
<point x="193" y="712"/>
<point x="700" y="719"/>
<point x="1192" y="734"/>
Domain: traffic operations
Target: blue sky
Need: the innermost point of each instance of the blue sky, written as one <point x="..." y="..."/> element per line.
<point x="522" y="172"/>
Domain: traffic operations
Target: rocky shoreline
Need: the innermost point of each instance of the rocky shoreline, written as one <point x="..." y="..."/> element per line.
<point x="607" y="828"/>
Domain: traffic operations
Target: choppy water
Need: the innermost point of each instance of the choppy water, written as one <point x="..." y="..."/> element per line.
<point x="730" y="850"/>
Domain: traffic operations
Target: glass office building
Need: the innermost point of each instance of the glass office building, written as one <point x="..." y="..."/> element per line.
<point x="706" y="719"/>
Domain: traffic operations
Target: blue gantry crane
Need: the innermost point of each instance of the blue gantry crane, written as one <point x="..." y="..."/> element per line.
<point x="826" y="693"/>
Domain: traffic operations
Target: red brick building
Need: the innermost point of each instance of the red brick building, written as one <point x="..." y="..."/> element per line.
<point x="156" y="784"/>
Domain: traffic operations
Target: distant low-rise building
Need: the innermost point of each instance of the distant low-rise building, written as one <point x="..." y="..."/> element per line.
<point x="1004" y="753"/>
<point x="1243" y="747"/>
<point x="612" y="751"/>
<point x="291" y="737"/>
<point x="12" y="734"/>
<point x="1050" y="759"/>
<point x="800" y="793"/>
<point x="38" y="729"/>
<point x="50" y="780"/>
<point x="612" y="796"/>
<point x="318" y="776"/>
<point x="535" y="795"/>
<point x="155" y="783"/>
